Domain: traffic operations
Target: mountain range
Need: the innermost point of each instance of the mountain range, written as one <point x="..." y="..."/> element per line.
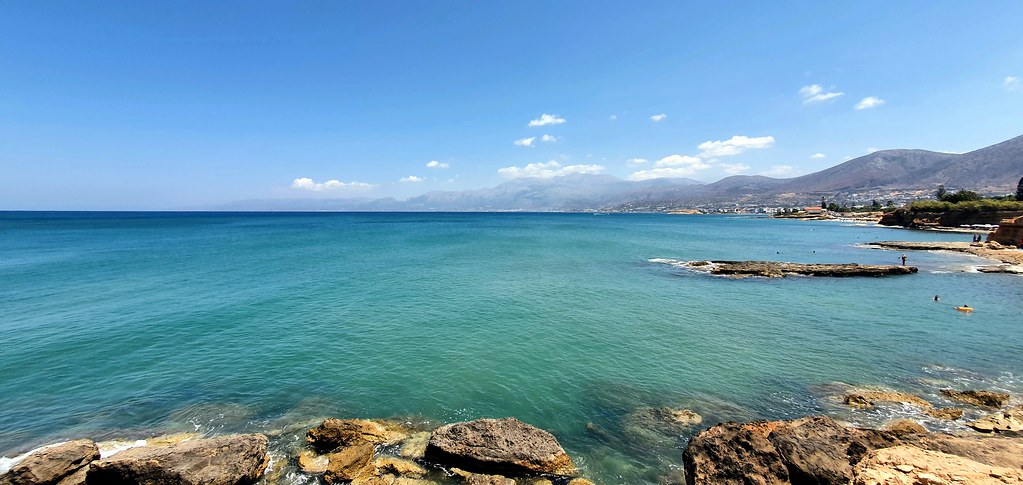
<point x="882" y="174"/>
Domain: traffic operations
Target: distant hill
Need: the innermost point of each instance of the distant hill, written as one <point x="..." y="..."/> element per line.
<point x="994" y="169"/>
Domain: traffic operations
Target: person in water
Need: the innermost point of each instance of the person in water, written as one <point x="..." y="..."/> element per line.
<point x="937" y="298"/>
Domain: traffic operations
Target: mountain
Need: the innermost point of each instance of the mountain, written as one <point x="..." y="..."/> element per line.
<point x="898" y="174"/>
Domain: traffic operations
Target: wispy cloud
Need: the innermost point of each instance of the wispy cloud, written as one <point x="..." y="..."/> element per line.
<point x="814" y="93"/>
<point x="612" y="117"/>
<point x="733" y="146"/>
<point x="869" y="102"/>
<point x="672" y="166"/>
<point x="735" y="168"/>
<point x="525" y="142"/>
<point x="778" y="170"/>
<point x="436" y="164"/>
<point x="546" y="119"/>
<point x="305" y="183"/>
<point x="818" y="155"/>
<point x="1011" y="83"/>
<point x="411" y="179"/>
<point x="632" y="162"/>
<point x="657" y="118"/>
<point x="547" y="170"/>
<point x="681" y="160"/>
<point x="548" y="138"/>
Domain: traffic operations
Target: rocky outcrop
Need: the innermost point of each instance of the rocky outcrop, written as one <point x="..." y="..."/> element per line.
<point x="228" y="460"/>
<point x="922" y="219"/>
<point x="335" y="433"/>
<point x="912" y="465"/>
<point x="986" y="250"/>
<point x="866" y="398"/>
<point x="1009" y="232"/>
<point x="776" y="269"/>
<point x="903" y="427"/>
<point x="945" y="413"/>
<point x="51" y="464"/>
<point x="1010" y="420"/>
<point x="348" y="463"/>
<point x="506" y="446"/>
<point x="978" y="398"/>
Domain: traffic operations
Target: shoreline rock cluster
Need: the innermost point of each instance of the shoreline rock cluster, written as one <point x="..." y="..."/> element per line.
<point x="814" y="449"/>
<point x="1011" y="259"/>
<point x="777" y="269"/>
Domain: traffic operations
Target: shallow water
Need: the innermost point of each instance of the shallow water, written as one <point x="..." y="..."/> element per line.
<point x="130" y="324"/>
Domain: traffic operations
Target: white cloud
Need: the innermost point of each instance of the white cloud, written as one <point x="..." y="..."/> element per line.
<point x="411" y="179"/>
<point x="612" y="117"/>
<point x="869" y="102"/>
<point x="547" y="170"/>
<point x="549" y="138"/>
<point x="778" y="170"/>
<point x="436" y="164"/>
<point x="632" y="162"/>
<point x="305" y="183"/>
<point x="660" y="117"/>
<point x="525" y="142"/>
<point x="662" y="173"/>
<point x="733" y="146"/>
<point x="546" y="119"/>
<point x="814" y="93"/>
<point x="735" y="168"/>
<point x="1011" y="83"/>
<point x="681" y="160"/>
<point x="818" y="155"/>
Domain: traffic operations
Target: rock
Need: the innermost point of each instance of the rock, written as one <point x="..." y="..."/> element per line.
<point x="888" y="465"/>
<point x="415" y="446"/>
<point x="339" y="433"/>
<point x="481" y="479"/>
<point x="347" y="464"/>
<point x="312" y="463"/>
<point x="775" y="269"/>
<point x="50" y="464"/>
<point x="870" y="398"/>
<point x="580" y="481"/>
<point x="902" y="427"/>
<point x="987" y="449"/>
<point x="506" y="446"/>
<point x="978" y="398"/>
<point x="945" y="413"/>
<point x="1007" y="420"/>
<point x="226" y="460"/>
<point x="808" y="450"/>
<point x="664" y="420"/>
<point x="398" y="466"/>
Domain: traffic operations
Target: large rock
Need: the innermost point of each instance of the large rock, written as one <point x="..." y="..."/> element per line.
<point x="911" y="465"/>
<point x="50" y="464"/>
<point x="349" y="463"/>
<point x="808" y="450"/>
<point x="987" y="449"/>
<point x="501" y="446"/>
<point x="1007" y="420"/>
<point x="868" y="398"/>
<point x="335" y="433"/>
<point x="228" y="460"/>
<point x="778" y="269"/>
<point x="978" y="398"/>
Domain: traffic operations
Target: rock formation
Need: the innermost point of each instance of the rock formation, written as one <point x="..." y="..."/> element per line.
<point x="506" y="446"/>
<point x="338" y="433"/>
<point x="1006" y="420"/>
<point x="978" y="398"/>
<point x="776" y="269"/>
<point x="51" y="464"/>
<point x="228" y="460"/>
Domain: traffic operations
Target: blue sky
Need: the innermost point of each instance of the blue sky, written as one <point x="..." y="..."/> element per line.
<point x="162" y="105"/>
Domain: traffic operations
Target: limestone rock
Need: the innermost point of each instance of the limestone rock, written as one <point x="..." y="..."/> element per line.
<point x="398" y="466"/>
<point x="902" y="427"/>
<point x="505" y="445"/>
<point x="988" y="449"/>
<point x="870" y="398"/>
<point x="312" y="463"/>
<point x="945" y="413"/>
<point x="227" y="460"/>
<point x="1007" y="420"/>
<point x="928" y="467"/>
<point x="415" y="446"/>
<point x="978" y="398"/>
<point x="52" y="463"/>
<point x="580" y="481"/>
<point x="664" y="420"/>
<point x="482" y="479"/>
<point x="338" y="433"/>
<point x="346" y="464"/>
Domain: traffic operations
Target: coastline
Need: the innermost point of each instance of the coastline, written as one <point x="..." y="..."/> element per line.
<point x="1011" y="259"/>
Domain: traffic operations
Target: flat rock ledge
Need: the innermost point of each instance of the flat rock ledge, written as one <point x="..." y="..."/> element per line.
<point x="227" y="460"/>
<point x="504" y="446"/>
<point x="776" y="269"/>
<point x="819" y="450"/>
<point x="53" y="463"/>
<point x="1012" y="259"/>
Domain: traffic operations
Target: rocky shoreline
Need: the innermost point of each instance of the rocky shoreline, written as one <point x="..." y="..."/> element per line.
<point x="778" y="269"/>
<point x="813" y="449"/>
<point x="1011" y="259"/>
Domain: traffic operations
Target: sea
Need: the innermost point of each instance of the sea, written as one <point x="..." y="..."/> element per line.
<point x="131" y="325"/>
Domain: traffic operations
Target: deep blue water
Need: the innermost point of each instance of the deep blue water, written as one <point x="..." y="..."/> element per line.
<point x="128" y="324"/>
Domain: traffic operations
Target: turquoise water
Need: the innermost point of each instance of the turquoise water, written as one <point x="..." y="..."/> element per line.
<point x="125" y="324"/>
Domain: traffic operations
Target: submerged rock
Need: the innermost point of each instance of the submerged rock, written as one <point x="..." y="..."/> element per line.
<point x="663" y="420"/>
<point x="1007" y="420"/>
<point x="978" y="398"/>
<point x="870" y="398"/>
<point x="227" y="460"/>
<point x="336" y="433"/>
<point x="415" y="446"/>
<point x="945" y="413"/>
<point x="312" y="463"/>
<point x="506" y="446"/>
<point x="51" y="464"/>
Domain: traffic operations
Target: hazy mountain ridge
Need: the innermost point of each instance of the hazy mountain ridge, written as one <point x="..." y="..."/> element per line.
<point x="993" y="169"/>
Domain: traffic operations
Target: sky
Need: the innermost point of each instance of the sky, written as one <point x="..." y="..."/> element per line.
<point x="169" y="105"/>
